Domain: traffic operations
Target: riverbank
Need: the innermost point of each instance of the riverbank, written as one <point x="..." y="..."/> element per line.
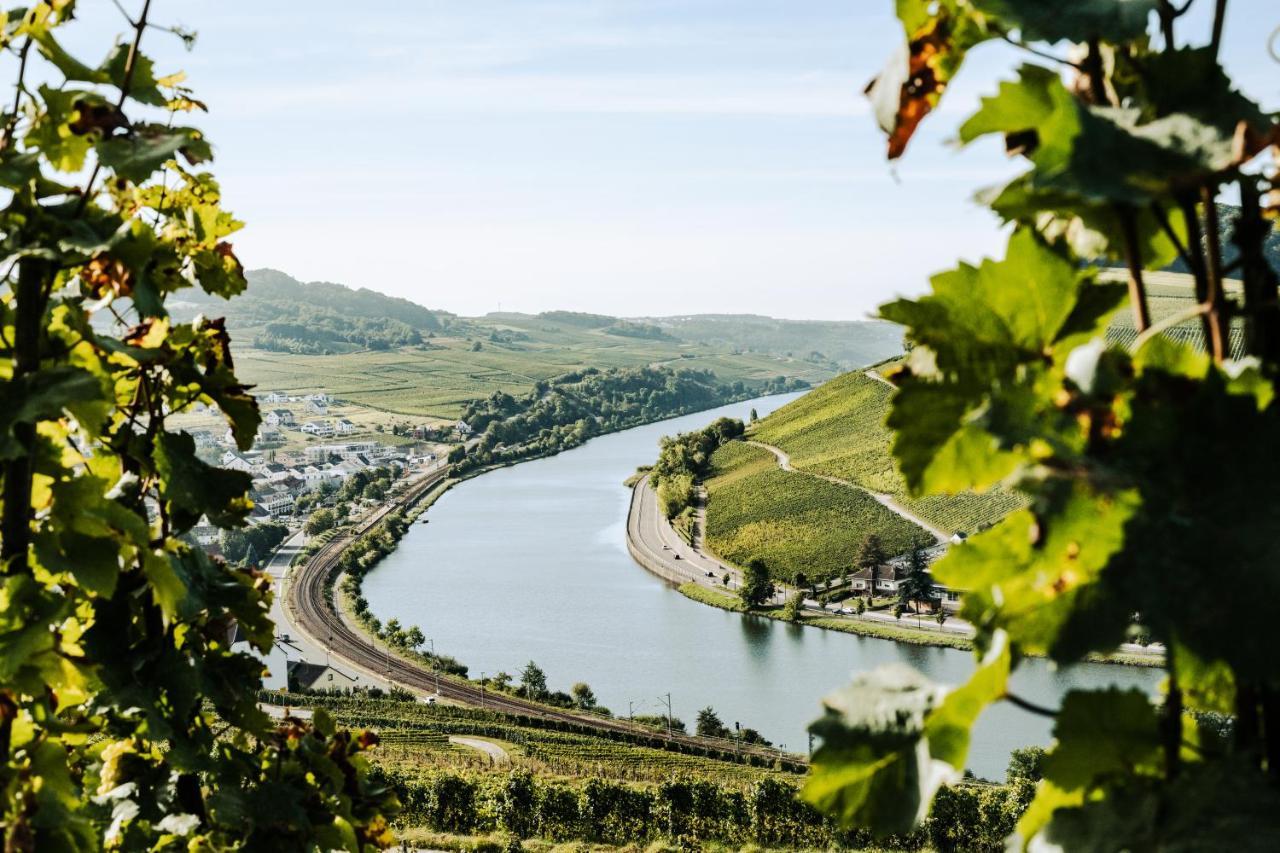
<point x="656" y="546"/>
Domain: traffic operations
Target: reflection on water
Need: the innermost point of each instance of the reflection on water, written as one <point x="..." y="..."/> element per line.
<point x="529" y="563"/>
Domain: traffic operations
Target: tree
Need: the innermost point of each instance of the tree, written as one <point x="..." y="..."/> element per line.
<point x="709" y="724"/>
<point x="534" y="681"/>
<point x="941" y="616"/>
<point x="126" y="721"/>
<point x="916" y="586"/>
<point x="871" y="556"/>
<point x="757" y="587"/>
<point x="583" y="696"/>
<point x="319" y="521"/>
<point x="414" y="637"/>
<point x="791" y="612"/>
<point x="754" y="416"/>
<point x="1144" y="453"/>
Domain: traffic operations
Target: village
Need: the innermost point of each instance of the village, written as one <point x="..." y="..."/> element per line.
<point x="308" y="446"/>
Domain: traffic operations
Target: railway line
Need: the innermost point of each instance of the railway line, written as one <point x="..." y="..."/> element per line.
<point x="312" y="614"/>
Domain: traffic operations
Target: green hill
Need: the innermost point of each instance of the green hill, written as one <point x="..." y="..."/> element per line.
<point x="794" y="522"/>
<point x="838" y="430"/>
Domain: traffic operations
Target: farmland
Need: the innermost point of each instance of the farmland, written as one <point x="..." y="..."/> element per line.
<point x="794" y="522"/>
<point x="563" y="787"/>
<point x="400" y="358"/>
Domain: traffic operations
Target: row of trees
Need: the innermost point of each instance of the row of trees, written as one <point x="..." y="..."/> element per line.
<point x="683" y="459"/>
<point x="250" y="545"/>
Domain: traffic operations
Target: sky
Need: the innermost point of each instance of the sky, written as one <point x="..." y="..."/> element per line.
<point x="628" y="157"/>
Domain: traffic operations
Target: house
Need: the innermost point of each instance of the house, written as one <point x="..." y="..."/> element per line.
<point x="342" y="426"/>
<point x="275" y="397"/>
<point x="887" y="578"/>
<point x="274" y="500"/>
<point x="320" y="429"/>
<point x="316" y="676"/>
<point x="279" y="418"/>
<point x="318" y="398"/>
<point x="323" y="452"/>
<point x="269" y="435"/>
<point x="462" y="428"/>
<point x="318" y="407"/>
<point x="237" y="462"/>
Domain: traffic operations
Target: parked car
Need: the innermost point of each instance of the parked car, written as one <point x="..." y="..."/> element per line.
<point x="677" y="556"/>
<point x="711" y="574"/>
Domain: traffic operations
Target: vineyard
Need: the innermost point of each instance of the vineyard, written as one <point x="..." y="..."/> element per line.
<point x="415" y="741"/>
<point x="566" y="786"/>
<point x="838" y="430"/>
<point x="794" y="522"/>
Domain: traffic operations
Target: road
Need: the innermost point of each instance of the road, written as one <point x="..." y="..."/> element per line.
<point x="310" y="616"/>
<point x="496" y="754"/>
<point x="654" y="544"/>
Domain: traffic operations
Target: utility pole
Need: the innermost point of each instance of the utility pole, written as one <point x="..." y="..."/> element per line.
<point x="482" y="680"/>
<point x="670" y="723"/>
<point x="434" y="667"/>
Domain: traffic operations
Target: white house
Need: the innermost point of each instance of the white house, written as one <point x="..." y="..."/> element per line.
<point x="275" y="397"/>
<point x="276" y="500"/>
<point x="344" y="427"/>
<point x="462" y="428"/>
<point x="280" y="418"/>
<point x="320" y="429"/>
<point x="318" y="407"/>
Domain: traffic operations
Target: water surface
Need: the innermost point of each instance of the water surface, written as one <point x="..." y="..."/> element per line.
<point x="530" y="563"/>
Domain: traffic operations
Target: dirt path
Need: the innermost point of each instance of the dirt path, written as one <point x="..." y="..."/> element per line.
<point x="887" y="501"/>
<point x="497" y="753"/>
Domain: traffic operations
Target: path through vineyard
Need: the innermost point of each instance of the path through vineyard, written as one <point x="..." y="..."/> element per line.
<point x="887" y="501"/>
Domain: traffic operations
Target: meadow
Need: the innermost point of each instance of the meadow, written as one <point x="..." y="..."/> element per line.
<point x="794" y="522"/>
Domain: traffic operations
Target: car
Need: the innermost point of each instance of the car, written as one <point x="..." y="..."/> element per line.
<point x="677" y="556"/>
<point x="711" y="574"/>
<point x="666" y="547"/>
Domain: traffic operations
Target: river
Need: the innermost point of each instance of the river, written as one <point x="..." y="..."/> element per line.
<point x="530" y="563"/>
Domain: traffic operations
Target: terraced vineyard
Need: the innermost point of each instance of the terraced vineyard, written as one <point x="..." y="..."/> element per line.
<point x="415" y="740"/>
<point x="838" y="430"/>
<point x="794" y="522"/>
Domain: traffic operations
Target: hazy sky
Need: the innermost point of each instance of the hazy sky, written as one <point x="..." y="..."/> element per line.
<point x="621" y="156"/>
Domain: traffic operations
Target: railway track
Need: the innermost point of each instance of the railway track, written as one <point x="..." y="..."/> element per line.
<point x="313" y="615"/>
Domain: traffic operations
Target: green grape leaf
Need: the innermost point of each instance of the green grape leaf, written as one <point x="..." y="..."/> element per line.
<point x="142" y="83"/>
<point x="1102" y="734"/>
<point x="872" y="766"/>
<point x="1078" y="21"/>
<point x="1029" y="572"/>
<point x="137" y="156"/>
<point x="194" y="488"/>
<point x="947" y="728"/>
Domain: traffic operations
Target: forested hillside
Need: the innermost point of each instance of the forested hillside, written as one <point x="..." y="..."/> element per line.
<point x="281" y="314"/>
<point x="566" y="411"/>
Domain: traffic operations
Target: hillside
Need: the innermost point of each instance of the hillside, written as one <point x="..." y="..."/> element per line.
<point x="838" y="430"/>
<point x="794" y="522"/>
<point x="396" y="356"/>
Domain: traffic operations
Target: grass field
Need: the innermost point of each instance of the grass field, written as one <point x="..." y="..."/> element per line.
<point x="794" y="522"/>
<point x="440" y="380"/>
<point x="838" y="430"/>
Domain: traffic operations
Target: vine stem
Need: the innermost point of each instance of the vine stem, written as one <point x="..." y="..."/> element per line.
<point x="1215" y="297"/>
<point x="1219" y="18"/>
<point x="130" y="63"/>
<point x="1029" y="706"/>
<point x="18" y="89"/>
<point x="1133" y="258"/>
